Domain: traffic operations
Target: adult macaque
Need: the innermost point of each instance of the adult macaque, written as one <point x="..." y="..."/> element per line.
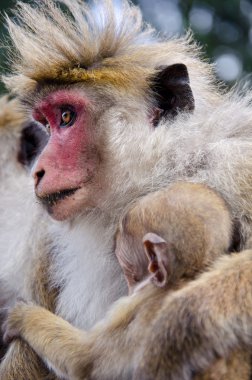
<point x="119" y="110"/>
<point x="20" y="142"/>
<point x="192" y="229"/>
<point x="10" y="124"/>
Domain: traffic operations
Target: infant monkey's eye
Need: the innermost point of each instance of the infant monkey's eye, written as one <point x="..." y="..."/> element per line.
<point x="68" y="117"/>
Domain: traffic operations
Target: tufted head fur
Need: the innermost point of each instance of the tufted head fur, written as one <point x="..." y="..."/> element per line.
<point x="102" y="44"/>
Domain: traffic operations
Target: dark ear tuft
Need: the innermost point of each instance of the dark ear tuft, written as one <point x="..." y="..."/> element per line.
<point x="172" y="89"/>
<point x="32" y="141"/>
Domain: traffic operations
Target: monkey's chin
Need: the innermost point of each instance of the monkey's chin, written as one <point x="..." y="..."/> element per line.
<point x="68" y="207"/>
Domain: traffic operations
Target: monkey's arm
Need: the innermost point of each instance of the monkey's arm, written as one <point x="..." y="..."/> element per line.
<point x="200" y="323"/>
<point x="53" y="339"/>
<point x="20" y="361"/>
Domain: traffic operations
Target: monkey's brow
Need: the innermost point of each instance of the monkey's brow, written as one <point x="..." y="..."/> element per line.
<point x="42" y="90"/>
<point x="122" y="78"/>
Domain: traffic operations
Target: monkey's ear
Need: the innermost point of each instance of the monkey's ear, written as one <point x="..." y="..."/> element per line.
<point x="160" y="256"/>
<point x="171" y="86"/>
<point x="32" y="141"/>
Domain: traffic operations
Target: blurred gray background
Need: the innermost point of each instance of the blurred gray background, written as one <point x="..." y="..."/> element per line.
<point x="223" y="27"/>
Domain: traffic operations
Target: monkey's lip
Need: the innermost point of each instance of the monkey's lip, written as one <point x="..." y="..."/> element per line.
<point x="53" y="198"/>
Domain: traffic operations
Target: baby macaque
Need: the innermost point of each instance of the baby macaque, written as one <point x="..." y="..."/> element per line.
<point x="164" y="241"/>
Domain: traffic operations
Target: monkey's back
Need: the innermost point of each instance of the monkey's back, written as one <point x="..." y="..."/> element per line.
<point x="235" y="367"/>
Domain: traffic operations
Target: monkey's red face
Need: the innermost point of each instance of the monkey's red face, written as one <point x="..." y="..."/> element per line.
<point x="64" y="175"/>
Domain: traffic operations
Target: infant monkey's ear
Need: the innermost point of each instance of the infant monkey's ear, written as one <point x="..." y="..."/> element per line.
<point x="161" y="258"/>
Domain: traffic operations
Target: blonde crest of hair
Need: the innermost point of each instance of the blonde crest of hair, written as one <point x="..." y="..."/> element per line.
<point x="101" y="42"/>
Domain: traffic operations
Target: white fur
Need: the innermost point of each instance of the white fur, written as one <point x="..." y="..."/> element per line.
<point x="86" y="268"/>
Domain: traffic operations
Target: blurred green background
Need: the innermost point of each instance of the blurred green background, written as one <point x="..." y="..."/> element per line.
<point x="223" y="27"/>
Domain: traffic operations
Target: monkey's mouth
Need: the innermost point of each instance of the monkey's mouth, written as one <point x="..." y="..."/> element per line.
<point x="53" y="198"/>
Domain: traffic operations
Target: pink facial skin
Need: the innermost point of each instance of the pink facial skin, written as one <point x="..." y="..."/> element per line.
<point x="67" y="166"/>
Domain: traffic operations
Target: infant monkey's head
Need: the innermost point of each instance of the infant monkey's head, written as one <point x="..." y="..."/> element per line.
<point x="173" y="233"/>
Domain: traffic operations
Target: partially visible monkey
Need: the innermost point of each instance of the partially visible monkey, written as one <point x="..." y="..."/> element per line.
<point x="20" y="142"/>
<point x="165" y="240"/>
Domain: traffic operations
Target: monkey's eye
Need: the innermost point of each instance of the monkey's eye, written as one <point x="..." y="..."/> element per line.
<point x="48" y="128"/>
<point x="68" y="117"/>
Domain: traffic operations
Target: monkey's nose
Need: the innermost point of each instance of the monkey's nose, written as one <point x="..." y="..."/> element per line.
<point x="38" y="175"/>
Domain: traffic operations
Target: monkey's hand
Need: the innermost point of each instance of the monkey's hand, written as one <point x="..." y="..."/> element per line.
<point x="198" y="324"/>
<point x="13" y="326"/>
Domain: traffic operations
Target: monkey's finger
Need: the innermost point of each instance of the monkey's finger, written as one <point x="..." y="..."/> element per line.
<point x="21" y="300"/>
<point x="9" y="332"/>
<point x="12" y="321"/>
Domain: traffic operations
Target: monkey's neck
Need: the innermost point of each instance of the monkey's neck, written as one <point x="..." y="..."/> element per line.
<point x="87" y="271"/>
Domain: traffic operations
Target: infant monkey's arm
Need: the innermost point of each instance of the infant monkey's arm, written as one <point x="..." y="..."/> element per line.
<point x="166" y="237"/>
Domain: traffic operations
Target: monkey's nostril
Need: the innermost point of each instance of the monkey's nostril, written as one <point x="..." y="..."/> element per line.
<point x="39" y="175"/>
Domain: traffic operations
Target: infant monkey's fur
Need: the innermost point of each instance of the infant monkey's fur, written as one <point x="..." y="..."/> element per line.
<point x="164" y="241"/>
